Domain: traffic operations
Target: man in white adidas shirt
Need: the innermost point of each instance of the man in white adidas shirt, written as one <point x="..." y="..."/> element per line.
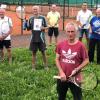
<point x="83" y="21"/>
<point x="5" y="40"/>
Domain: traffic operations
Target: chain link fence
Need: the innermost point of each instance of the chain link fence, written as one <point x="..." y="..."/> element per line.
<point x="67" y="8"/>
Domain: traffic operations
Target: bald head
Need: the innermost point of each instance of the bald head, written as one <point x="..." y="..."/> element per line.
<point x="35" y="7"/>
<point x="35" y="10"/>
<point x="2" y="12"/>
<point x="53" y="7"/>
<point x="98" y="12"/>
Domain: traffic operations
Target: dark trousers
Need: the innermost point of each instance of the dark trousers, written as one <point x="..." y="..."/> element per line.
<point x="62" y="88"/>
<point x="92" y="44"/>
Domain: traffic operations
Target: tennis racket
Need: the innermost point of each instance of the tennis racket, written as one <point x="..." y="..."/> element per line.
<point x="86" y="80"/>
<point x="20" y="12"/>
<point x="87" y="22"/>
<point x="5" y="28"/>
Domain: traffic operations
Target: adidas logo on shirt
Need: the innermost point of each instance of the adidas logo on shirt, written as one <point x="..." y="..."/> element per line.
<point x="69" y="55"/>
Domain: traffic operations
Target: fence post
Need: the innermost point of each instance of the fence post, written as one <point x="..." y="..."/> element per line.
<point x="63" y="15"/>
<point x="96" y="4"/>
<point x="22" y="17"/>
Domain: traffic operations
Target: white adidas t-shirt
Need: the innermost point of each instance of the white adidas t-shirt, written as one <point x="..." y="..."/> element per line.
<point x="83" y="18"/>
<point x="10" y="25"/>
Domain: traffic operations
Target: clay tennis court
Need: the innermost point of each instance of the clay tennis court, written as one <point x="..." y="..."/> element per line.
<point x="22" y="40"/>
<point x="70" y="12"/>
<point x="44" y="10"/>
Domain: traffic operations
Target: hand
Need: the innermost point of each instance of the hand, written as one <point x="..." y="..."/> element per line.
<point x="83" y="25"/>
<point x="63" y="76"/>
<point x="44" y="28"/>
<point x="5" y="35"/>
<point x="73" y="72"/>
<point x="90" y="31"/>
<point x="1" y="38"/>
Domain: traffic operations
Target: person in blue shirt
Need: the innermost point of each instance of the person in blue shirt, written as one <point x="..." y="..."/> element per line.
<point x="94" y="37"/>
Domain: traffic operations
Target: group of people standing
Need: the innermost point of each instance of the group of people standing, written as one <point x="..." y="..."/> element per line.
<point x="38" y="24"/>
<point x="71" y="54"/>
<point x="89" y="25"/>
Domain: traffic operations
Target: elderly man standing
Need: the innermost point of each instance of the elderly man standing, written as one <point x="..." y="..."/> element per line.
<point x="95" y="37"/>
<point x="71" y="58"/>
<point x="53" y="17"/>
<point x="37" y="25"/>
<point x="5" y="39"/>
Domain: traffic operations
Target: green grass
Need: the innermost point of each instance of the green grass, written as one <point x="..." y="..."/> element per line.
<point x="19" y="82"/>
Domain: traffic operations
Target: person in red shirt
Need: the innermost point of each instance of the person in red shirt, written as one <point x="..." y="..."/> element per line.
<point x="71" y="57"/>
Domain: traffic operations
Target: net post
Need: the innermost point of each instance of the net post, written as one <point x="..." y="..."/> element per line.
<point x="22" y="17"/>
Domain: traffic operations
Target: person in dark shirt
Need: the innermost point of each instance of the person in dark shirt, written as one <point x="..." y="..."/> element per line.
<point x="37" y="25"/>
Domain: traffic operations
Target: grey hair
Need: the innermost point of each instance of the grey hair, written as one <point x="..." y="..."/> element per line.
<point x="98" y="9"/>
<point x="53" y="5"/>
<point x="71" y="24"/>
<point x="75" y="26"/>
<point x="37" y="7"/>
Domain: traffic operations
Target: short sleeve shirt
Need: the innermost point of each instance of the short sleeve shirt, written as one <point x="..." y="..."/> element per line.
<point x="71" y="56"/>
<point x="53" y="18"/>
<point x="10" y="25"/>
<point x="83" y="18"/>
<point x="95" y="26"/>
<point x="35" y="25"/>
